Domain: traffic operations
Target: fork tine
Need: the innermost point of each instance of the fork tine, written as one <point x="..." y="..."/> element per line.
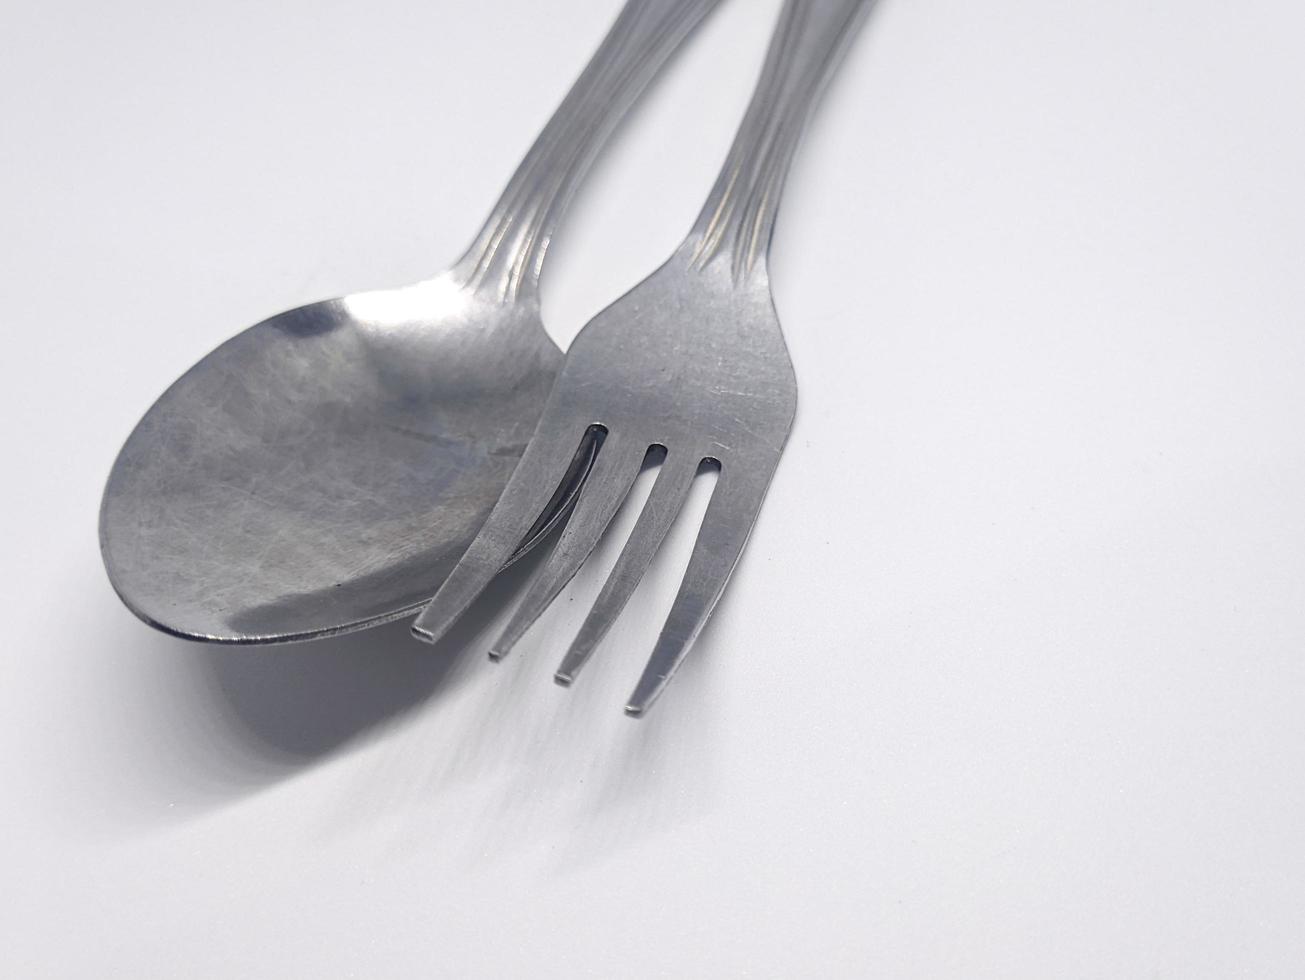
<point x="543" y="465"/>
<point x="658" y="514"/>
<point x="725" y="528"/>
<point x="608" y="484"/>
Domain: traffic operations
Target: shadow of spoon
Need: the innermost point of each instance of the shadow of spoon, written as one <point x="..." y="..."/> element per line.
<point x="180" y="729"/>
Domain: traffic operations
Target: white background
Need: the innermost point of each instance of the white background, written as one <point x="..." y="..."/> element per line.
<point x="1010" y="682"/>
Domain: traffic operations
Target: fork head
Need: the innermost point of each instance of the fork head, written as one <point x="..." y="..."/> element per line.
<point x="691" y="360"/>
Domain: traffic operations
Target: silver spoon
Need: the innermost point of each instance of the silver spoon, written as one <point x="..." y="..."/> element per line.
<point x="324" y="470"/>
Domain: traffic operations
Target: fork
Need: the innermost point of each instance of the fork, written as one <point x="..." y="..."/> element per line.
<point x="692" y="364"/>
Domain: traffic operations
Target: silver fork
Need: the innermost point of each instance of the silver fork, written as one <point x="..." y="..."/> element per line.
<point x="692" y="363"/>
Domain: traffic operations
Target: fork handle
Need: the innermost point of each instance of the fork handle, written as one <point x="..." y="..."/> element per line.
<point x="739" y="217"/>
<point x="506" y="258"/>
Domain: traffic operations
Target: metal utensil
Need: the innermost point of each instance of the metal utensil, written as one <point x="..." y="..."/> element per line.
<point x="324" y="470"/>
<point x="692" y="363"/>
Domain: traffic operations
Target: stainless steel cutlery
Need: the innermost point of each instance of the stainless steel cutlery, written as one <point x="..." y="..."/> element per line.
<point x="334" y="467"/>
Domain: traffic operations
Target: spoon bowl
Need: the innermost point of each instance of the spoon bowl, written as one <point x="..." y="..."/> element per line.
<point x="320" y="470"/>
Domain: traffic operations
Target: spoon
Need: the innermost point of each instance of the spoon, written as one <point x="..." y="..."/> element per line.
<point x="324" y="470"/>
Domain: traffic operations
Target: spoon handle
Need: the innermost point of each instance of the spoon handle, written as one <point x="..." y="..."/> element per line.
<point x="739" y="216"/>
<point x="506" y="257"/>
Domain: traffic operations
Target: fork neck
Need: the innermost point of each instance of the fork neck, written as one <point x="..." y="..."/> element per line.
<point x="738" y="220"/>
<point x="506" y="258"/>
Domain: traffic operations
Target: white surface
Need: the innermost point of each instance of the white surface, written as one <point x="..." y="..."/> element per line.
<point x="1010" y="681"/>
